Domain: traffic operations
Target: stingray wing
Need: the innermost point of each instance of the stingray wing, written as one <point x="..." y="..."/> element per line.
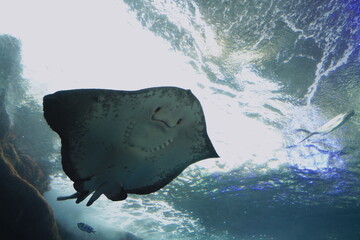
<point x="67" y="113"/>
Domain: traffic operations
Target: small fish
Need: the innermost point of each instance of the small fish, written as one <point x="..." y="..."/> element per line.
<point x="330" y="125"/>
<point x="85" y="228"/>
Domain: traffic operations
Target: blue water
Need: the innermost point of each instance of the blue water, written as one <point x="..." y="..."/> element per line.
<point x="261" y="69"/>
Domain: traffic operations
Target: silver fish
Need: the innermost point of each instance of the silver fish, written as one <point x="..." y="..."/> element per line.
<point x="330" y="125"/>
<point x="85" y="228"/>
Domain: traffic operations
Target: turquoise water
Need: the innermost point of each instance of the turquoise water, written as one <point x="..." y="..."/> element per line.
<point x="261" y="70"/>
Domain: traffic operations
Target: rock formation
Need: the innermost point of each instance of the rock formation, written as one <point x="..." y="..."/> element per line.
<point x="24" y="212"/>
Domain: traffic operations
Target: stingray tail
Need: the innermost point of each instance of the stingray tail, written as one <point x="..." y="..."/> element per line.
<point x="303" y="130"/>
<point x="307" y="137"/>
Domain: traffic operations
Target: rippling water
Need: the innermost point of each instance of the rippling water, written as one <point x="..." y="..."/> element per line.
<point x="261" y="69"/>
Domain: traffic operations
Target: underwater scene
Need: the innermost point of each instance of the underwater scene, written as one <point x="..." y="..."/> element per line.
<point x="180" y="120"/>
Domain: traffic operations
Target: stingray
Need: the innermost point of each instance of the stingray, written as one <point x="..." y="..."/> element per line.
<point x="126" y="142"/>
<point x="329" y="126"/>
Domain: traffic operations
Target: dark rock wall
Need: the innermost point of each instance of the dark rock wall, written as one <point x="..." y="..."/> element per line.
<point x="24" y="213"/>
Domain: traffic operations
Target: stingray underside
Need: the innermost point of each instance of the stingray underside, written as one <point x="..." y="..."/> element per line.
<point x="120" y="142"/>
<point x="68" y="114"/>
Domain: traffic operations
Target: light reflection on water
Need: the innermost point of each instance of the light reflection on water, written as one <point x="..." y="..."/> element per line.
<point x="147" y="217"/>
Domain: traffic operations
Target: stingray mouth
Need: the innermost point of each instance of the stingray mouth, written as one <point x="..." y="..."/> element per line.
<point x="146" y="139"/>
